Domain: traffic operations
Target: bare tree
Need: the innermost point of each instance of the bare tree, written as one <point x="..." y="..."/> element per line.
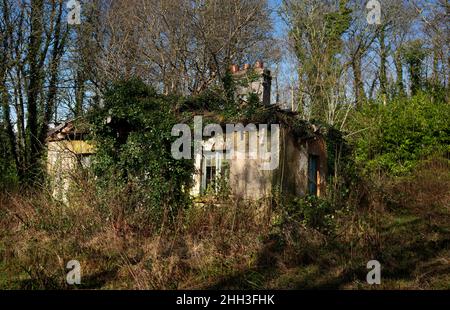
<point x="33" y="38"/>
<point x="316" y="28"/>
<point x="182" y="46"/>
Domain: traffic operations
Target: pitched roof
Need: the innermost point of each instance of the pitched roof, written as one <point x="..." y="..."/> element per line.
<point x="68" y="130"/>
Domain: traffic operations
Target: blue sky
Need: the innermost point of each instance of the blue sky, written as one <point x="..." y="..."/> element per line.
<point x="287" y="67"/>
<point x="277" y="21"/>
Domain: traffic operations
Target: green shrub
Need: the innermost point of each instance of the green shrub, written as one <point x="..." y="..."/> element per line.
<point x="395" y="137"/>
<point x="134" y="151"/>
<point x="312" y="212"/>
<point x="8" y="175"/>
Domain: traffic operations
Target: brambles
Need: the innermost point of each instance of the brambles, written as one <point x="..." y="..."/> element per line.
<point x="233" y="244"/>
<point x="134" y="152"/>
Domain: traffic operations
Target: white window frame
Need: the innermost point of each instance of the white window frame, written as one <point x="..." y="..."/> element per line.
<point x="218" y="158"/>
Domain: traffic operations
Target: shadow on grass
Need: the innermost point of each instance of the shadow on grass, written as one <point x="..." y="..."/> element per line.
<point x="409" y="245"/>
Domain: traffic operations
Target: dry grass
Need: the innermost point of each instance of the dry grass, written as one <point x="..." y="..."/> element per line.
<point x="39" y="235"/>
<point x="405" y="225"/>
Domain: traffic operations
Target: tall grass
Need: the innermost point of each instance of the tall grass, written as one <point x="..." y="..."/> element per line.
<point x="403" y="222"/>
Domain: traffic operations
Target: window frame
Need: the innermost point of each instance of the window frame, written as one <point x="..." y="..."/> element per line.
<point x="219" y="160"/>
<point x="313" y="182"/>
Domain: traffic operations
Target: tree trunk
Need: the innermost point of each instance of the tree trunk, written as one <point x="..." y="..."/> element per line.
<point x="53" y="72"/>
<point x="399" y="71"/>
<point x="79" y="93"/>
<point x="8" y="124"/>
<point x="34" y="87"/>
<point x="360" y="95"/>
<point x="383" y="55"/>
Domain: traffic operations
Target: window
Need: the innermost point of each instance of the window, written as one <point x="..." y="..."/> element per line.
<point x="313" y="174"/>
<point x="210" y="173"/>
<point x="214" y="167"/>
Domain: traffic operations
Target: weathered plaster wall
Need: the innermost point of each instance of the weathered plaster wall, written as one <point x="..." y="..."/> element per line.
<point x="248" y="181"/>
<point x="62" y="162"/>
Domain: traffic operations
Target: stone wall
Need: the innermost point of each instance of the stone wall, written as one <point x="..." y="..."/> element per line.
<point x="248" y="181"/>
<point x="63" y="159"/>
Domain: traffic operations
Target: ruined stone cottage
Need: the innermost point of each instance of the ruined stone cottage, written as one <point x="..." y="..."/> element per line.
<point x="301" y="156"/>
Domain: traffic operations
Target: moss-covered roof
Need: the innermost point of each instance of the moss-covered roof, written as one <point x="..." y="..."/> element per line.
<point x="74" y="129"/>
<point x="260" y="115"/>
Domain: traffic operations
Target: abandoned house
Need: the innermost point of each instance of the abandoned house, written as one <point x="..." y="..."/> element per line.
<point x="301" y="156"/>
<point x="67" y="151"/>
<point x="301" y="167"/>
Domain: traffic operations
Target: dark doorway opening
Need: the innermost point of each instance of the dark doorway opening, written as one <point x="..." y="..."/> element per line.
<point x="313" y="174"/>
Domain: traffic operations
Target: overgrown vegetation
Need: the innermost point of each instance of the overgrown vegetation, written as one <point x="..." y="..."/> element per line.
<point x="378" y="93"/>
<point x="134" y="226"/>
<point x="133" y="161"/>
<point x="8" y="177"/>
<point x="394" y="138"/>
<point x="304" y="244"/>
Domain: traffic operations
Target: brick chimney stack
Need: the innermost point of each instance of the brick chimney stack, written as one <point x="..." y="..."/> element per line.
<point x="261" y="85"/>
<point x="234" y="69"/>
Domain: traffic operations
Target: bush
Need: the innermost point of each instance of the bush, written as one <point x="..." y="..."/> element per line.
<point x="312" y="212"/>
<point x="134" y="151"/>
<point x="395" y="137"/>
<point x="8" y="175"/>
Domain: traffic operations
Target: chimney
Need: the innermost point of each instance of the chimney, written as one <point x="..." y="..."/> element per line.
<point x="260" y="82"/>
<point x="234" y="68"/>
<point x="267" y="86"/>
